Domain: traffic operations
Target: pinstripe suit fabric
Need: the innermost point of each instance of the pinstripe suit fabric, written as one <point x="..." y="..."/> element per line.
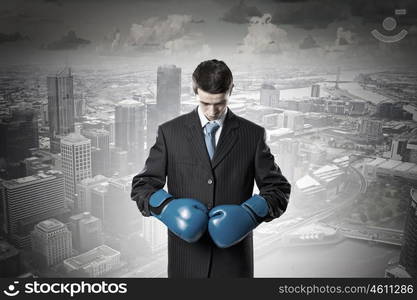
<point x="241" y="157"/>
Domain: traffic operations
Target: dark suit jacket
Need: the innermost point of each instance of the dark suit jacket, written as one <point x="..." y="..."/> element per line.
<point x="241" y="156"/>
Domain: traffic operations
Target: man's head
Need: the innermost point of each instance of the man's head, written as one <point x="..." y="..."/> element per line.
<point x="213" y="85"/>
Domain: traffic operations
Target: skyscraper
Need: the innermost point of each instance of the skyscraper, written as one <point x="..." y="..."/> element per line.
<point x="130" y="130"/>
<point x="100" y="156"/>
<point x="291" y="119"/>
<point x="269" y="95"/>
<point x="109" y="203"/>
<point x="29" y="200"/>
<point x="168" y="92"/>
<point x="51" y="242"/>
<point x="76" y="163"/>
<point x="84" y="188"/>
<point x="18" y="133"/>
<point x="286" y="151"/>
<point x="408" y="256"/>
<point x="315" y="90"/>
<point x="151" y="124"/>
<point x="60" y="106"/>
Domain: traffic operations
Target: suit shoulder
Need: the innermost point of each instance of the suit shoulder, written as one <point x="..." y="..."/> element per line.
<point x="175" y="122"/>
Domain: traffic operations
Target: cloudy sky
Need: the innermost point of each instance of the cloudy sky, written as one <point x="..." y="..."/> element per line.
<point x="284" y="30"/>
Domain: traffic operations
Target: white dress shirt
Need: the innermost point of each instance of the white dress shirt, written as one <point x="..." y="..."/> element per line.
<point x="220" y="121"/>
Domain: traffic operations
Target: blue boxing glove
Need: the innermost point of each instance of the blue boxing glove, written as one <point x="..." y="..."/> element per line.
<point x="185" y="217"/>
<point x="229" y="224"/>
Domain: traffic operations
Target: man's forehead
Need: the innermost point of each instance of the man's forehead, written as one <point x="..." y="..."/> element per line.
<point x="211" y="98"/>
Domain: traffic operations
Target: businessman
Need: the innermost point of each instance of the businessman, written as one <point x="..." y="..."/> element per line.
<point x="211" y="159"/>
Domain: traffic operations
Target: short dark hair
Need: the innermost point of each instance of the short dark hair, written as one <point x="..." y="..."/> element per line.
<point x="212" y="76"/>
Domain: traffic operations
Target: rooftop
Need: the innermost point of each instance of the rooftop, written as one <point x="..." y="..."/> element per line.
<point x="94" y="256"/>
<point x="50" y="225"/>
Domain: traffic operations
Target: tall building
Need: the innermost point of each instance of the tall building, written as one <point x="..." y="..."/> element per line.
<point x="80" y="107"/>
<point x="154" y="233"/>
<point x="291" y="119"/>
<point x="40" y="160"/>
<point x="111" y="204"/>
<point x="408" y="256"/>
<point x="76" y="163"/>
<point x="370" y="129"/>
<point x="315" y="90"/>
<point x="100" y="152"/>
<point x="51" y="242"/>
<point x="168" y="92"/>
<point x="151" y="125"/>
<point x="18" y="133"/>
<point x="286" y="151"/>
<point x="84" y="188"/>
<point x="269" y="95"/>
<point x="60" y="106"/>
<point x="399" y="148"/>
<point x="119" y="162"/>
<point x="86" y="231"/>
<point x="29" y="200"/>
<point x="130" y="125"/>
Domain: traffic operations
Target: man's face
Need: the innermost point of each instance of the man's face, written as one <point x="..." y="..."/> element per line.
<point x="213" y="105"/>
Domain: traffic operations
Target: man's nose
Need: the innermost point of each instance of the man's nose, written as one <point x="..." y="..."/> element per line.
<point x="212" y="110"/>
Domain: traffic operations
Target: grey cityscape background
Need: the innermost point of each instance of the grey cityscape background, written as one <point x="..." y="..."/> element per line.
<point x="84" y="85"/>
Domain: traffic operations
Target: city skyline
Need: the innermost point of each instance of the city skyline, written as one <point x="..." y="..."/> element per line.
<point x="85" y="85"/>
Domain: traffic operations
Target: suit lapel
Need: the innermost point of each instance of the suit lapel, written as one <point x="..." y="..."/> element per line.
<point x="196" y="137"/>
<point x="227" y="140"/>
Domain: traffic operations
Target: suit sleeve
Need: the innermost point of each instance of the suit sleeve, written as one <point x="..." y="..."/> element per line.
<point x="153" y="175"/>
<point x="272" y="185"/>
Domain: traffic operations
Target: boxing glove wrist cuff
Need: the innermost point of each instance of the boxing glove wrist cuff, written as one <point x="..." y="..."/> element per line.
<point x="257" y="205"/>
<point x="159" y="197"/>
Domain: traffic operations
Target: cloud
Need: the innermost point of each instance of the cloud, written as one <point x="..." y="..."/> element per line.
<point x="112" y="42"/>
<point x="308" y="43"/>
<point x="13" y="37"/>
<point x="204" y="53"/>
<point x="309" y="14"/>
<point x="188" y="46"/>
<point x="344" y="37"/>
<point x="180" y="45"/>
<point x="158" y="31"/>
<point x="346" y="42"/>
<point x="241" y="13"/>
<point x="70" y="41"/>
<point x="263" y="37"/>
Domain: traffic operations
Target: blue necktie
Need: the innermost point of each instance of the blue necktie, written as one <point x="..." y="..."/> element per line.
<point x="211" y="128"/>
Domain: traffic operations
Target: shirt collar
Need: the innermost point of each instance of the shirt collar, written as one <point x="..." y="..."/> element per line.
<point x="204" y="120"/>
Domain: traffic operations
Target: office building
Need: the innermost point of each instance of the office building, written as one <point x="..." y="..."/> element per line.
<point x="60" y="106"/>
<point x="27" y="201"/>
<point x="86" y="231"/>
<point x="408" y="256"/>
<point x="168" y="92"/>
<point x="76" y="163"/>
<point x="94" y="263"/>
<point x="51" y="242"/>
